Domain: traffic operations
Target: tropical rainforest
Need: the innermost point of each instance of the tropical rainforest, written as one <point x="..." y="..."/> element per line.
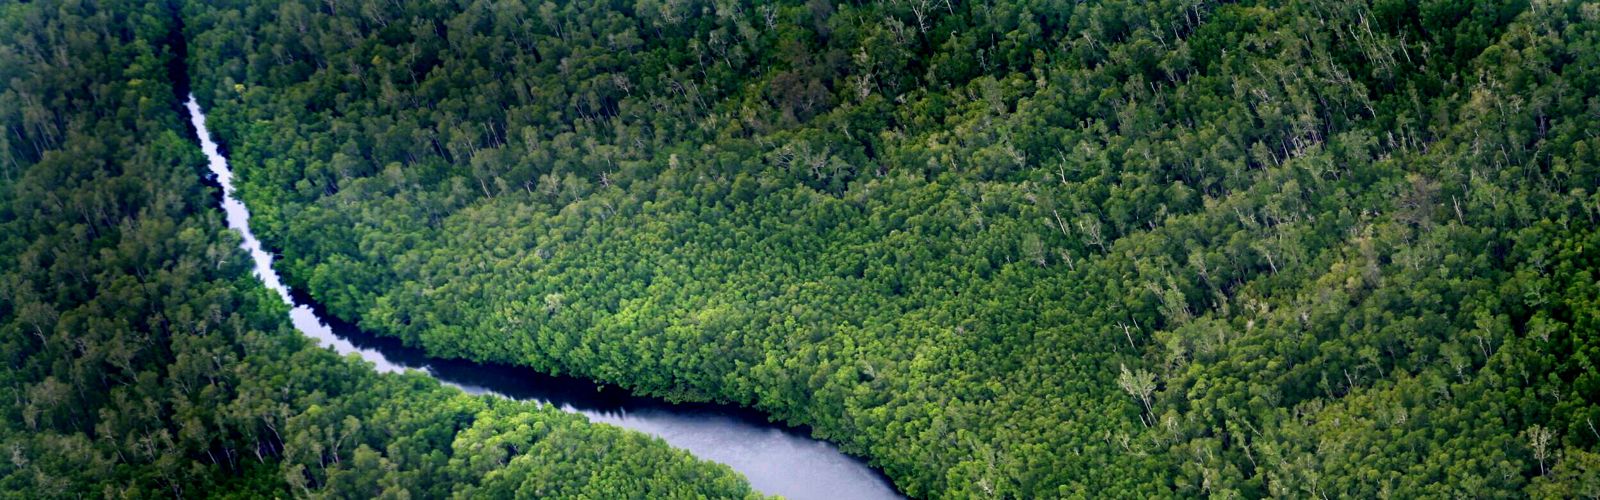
<point x="1015" y="249"/>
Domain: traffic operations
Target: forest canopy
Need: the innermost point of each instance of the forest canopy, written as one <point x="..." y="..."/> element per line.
<point x="1020" y="249"/>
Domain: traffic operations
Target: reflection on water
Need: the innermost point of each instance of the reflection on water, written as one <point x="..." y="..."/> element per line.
<point x="777" y="460"/>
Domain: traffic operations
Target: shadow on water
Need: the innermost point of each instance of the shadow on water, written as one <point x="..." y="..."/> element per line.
<point x="776" y="459"/>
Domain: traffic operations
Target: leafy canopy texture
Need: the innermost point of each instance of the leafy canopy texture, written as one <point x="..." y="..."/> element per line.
<point x="139" y="358"/>
<point x="1042" y="248"/>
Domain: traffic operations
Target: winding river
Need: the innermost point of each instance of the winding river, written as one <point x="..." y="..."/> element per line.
<point x="777" y="460"/>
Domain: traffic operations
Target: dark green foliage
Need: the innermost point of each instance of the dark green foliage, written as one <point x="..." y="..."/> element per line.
<point x="141" y="359"/>
<point x="1341" y="248"/>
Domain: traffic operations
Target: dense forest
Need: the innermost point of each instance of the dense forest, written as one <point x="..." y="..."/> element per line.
<point x="1012" y="248"/>
<point x="141" y="359"/>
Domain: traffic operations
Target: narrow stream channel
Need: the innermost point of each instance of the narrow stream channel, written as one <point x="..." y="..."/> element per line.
<point x="776" y="459"/>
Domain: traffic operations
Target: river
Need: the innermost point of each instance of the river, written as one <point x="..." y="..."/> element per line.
<point x="777" y="460"/>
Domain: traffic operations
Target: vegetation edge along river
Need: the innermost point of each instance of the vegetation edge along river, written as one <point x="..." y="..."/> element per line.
<point x="776" y="460"/>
